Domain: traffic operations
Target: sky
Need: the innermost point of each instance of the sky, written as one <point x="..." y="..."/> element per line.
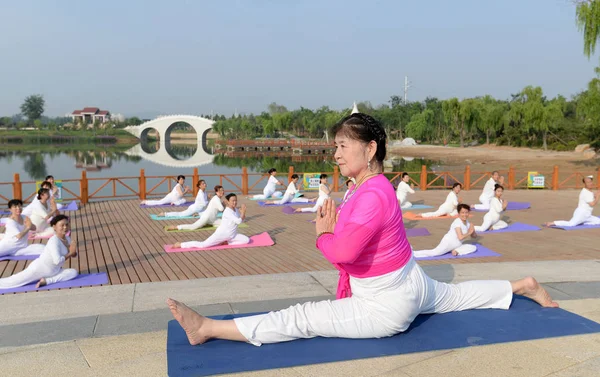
<point x="151" y="57"/>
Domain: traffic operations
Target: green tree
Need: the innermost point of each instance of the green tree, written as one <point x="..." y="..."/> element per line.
<point x="451" y="108"/>
<point x="588" y="21"/>
<point x="553" y="114"/>
<point x="38" y="124"/>
<point x="33" y="107"/>
<point x="588" y="109"/>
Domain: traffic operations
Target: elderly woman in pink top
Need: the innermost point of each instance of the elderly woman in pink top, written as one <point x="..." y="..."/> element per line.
<point x="381" y="288"/>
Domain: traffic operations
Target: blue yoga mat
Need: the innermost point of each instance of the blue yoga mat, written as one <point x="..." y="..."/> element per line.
<point x="525" y="320"/>
<point x="418" y="206"/>
<point x="160" y="218"/>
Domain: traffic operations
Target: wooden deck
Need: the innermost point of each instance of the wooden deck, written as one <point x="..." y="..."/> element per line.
<point x="119" y="238"/>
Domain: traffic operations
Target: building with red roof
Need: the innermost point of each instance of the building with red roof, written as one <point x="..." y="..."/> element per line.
<point x="89" y="115"/>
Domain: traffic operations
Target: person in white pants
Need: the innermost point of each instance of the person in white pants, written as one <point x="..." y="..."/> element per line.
<point x="403" y="190"/>
<point x="460" y="230"/>
<point x="14" y="241"/>
<point x="226" y="233"/>
<point x="174" y="198"/>
<point x="324" y="192"/>
<point x="363" y="237"/>
<point x="209" y="216"/>
<point x="491" y="220"/>
<point x="47" y="268"/>
<point x="270" y="189"/>
<point x="290" y="194"/>
<point x="197" y="207"/>
<point x="449" y="206"/>
<point x="41" y="214"/>
<point x="488" y="191"/>
<point x="583" y="213"/>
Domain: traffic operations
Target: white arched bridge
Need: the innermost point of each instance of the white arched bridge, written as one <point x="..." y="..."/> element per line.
<point x="164" y="126"/>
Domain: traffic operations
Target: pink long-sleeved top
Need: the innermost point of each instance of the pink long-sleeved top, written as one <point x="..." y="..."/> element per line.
<point x="369" y="237"/>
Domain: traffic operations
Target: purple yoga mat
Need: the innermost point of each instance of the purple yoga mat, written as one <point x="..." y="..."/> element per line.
<point x="481" y="252"/>
<point x="290" y="211"/>
<point x="71" y="207"/>
<point x="512" y="206"/>
<point x="515" y="227"/>
<point x="4" y="212"/>
<point x="186" y="204"/>
<point x="79" y="281"/>
<point x="417" y="232"/>
<point x="18" y="257"/>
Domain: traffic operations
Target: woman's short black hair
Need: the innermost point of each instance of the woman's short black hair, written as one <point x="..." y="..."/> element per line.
<point x="456" y="184"/>
<point x="180" y="176"/>
<point x="272" y="170"/>
<point x="41" y="192"/>
<point x="365" y="128"/>
<point x="462" y="206"/>
<point x="15" y="203"/>
<point x="229" y="196"/>
<point x="497" y="186"/>
<point x="200" y="182"/>
<point x="323" y="176"/>
<point x="56" y="219"/>
<point x="294" y="176"/>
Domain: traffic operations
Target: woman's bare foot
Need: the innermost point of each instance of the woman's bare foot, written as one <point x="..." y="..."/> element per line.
<point x="530" y="288"/>
<point x="41" y="283"/>
<point x="298" y="210"/>
<point x="194" y="324"/>
<point x="548" y="225"/>
<point x="177" y="245"/>
<point x="162" y="214"/>
<point x="171" y="227"/>
<point x="143" y="202"/>
<point x="455" y="253"/>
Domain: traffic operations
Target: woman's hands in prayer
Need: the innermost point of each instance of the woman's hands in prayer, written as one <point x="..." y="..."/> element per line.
<point x="326" y="217"/>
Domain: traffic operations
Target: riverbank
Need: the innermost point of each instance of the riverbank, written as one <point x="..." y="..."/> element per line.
<point x="109" y="136"/>
<point x="489" y="157"/>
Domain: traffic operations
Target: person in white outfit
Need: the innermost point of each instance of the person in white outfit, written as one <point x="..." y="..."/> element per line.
<point x="14" y="241"/>
<point x="209" y="216"/>
<point x="583" y="213"/>
<point x="381" y="288"/>
<point x="174" y="198"/>
<point x="349" y="185"/>
<point x="491" y="220"/>
<point x="41" y="213"/>
<point x="290" y="194"/>
<point x="488" y="191"/>
<point x="452" y="241"/>
<point x="27" y="210"/>
<point x="403" y="190"/>
<point x="270" y="189"/>
<point x="197" y="207"/>
<point x="47" y="268"/>
<point x="449" y="206"/>
<point x="55" y="194"/>
<point x="226" y="233"/>
<point x="324" y="192"/>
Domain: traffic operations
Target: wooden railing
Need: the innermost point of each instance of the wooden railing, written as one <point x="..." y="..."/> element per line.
<point x="143" y="186"/>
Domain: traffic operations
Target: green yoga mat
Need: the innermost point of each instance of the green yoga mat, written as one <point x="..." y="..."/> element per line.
<point x="212" y="227"/>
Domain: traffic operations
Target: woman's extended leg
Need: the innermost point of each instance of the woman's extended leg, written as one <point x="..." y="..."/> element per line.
<point x="239" y="239"/>
<point x="34" y="249"/>
<point x="446" y="245"/>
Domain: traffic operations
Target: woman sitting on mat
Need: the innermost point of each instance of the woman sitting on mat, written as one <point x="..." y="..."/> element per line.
<point x="403" y="190"/>
<point x="174" y="198"/>
<point x="209" y="216"/>
<point x="381" y="288"/>
<point x="198" y="206"/>
<point x="460" y="230"/>
<point x="54" y="193"/>
<point x="583" y="213"/>
<point x="491" y="220"/>
<point x="41" y="213"/>
<point x="270" y="189"/>
<point x="47" y="268"/>
<point x="323" y="195"/>
<point x="14" y="240"/>
<point x="290" y="194"/>
<point x="27" y="210"/>
<point x="449" y="206"/>
<point x="349" y="185"/>
<point x="487" y="194"/>
<point x="226" y="233"/>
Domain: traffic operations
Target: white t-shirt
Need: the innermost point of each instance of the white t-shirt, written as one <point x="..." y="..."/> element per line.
<point x="229" y="223"/>
<point x="29" y="209"/>
<point x="214" y="207"/>
<point x="10" y="240"/>
<point x="175" y="193"/>
<point x="271" y="184"/>
<point x="496" y="206"/>
<point x="451" y="199"/>
<point x="201" y="199"/>
<point x="586" y="197"/>
<point x="488" y="189"/>
<point x="323" y="192"/>
<point x="54" y="253"/>
<point x="403" y="190"/>
<point x="457" y="223"/>
<point x="291" y="190"/>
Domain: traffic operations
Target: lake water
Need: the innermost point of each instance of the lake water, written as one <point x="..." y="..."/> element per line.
<point x="34" y="163"/>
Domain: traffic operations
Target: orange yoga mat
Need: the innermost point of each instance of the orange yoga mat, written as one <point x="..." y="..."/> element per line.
<point x="413" y="216"/>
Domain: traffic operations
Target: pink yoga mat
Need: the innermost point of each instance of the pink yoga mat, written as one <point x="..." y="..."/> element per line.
<point x="481" y="252"/>
<point x="79" y="281"/>
<point x="186" y="204"/>
<point x="262" y="239"/>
